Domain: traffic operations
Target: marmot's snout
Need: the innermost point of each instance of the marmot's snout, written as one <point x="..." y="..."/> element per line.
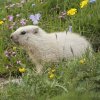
<point x="14" y="38"/>
<point x="11" y="37"/>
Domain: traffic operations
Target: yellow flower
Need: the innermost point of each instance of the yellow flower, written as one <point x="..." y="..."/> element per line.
<point x="14" y="48"/>
<point x="82" y="61"/>
<point x="83" y="3"/>
<point x="72" y="11"/>
<point x="22" y="70"/>
<point x="51" y="76"/>
<point x="53" y="70"/>
<point x="1" y="22"/>
<point x="51" y="73"/>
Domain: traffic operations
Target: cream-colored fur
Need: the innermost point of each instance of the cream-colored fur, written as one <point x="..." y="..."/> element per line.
<point x="49" y="47"/>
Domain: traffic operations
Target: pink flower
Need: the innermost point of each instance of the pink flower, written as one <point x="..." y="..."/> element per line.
<point x="23" y="22"/>
<point x="11" y="27"/>
<point x="7" y="54"/>
<point x="10" y="18"/>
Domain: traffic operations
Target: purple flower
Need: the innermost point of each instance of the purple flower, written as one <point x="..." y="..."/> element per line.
<point x="12" y="25"/>
<point x="92" y="1"/>
<point x="35" y="18"/>
<point x="23" y="22"/>
<point x="70" y="29"/>
<point x="10" y="18"/>
<point x="6" y="53"/>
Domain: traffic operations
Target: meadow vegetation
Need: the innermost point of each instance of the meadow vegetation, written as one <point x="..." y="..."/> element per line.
<point x="73" y="79"/>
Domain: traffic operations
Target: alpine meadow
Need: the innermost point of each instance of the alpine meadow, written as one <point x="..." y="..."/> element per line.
<point x="72" y="79"/>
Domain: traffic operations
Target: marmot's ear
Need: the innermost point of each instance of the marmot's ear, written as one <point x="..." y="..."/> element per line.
<point x="36" y="30"/>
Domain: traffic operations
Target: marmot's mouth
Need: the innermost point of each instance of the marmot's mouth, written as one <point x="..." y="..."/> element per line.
<point x="16" y="41"/>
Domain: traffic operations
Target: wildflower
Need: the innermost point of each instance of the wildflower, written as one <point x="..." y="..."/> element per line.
<point x="22" y="70"/>
<point x="72" y="11"/>
<point x="18" y="62"/>
<point x="82" y="61"/>
<point x="14" y="48"/>
<point x="92" y="1"/>
<point x="51" y="73"/>
<point x="53" y="70"/>
<point x="7" y="54"/>
<point x="1" y="22"/>
<point x="35" y="18"/>
<point x="10" y="18"/>
<point x="12" y="25"/>
<point x="14" y="54"/>
<point x="23" y="22"/>
<point x="83" y="3"/>
<point x="70" y="29"/>
<point x="51" y="76"/>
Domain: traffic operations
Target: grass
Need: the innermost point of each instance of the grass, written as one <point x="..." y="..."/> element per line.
<point x="72" y="79"/>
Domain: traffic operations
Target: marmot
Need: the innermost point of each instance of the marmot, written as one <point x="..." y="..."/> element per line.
<point x="49" y="47"/>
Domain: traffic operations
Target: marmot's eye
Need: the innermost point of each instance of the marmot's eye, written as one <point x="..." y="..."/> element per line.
<point x="35" y="32"/>
<point x="23" y="32"/>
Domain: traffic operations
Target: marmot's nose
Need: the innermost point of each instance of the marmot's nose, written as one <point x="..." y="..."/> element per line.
<point x="11" y="37"/>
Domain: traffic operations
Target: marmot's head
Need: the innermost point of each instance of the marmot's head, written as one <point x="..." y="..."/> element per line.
<point x="24" y="34"/>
